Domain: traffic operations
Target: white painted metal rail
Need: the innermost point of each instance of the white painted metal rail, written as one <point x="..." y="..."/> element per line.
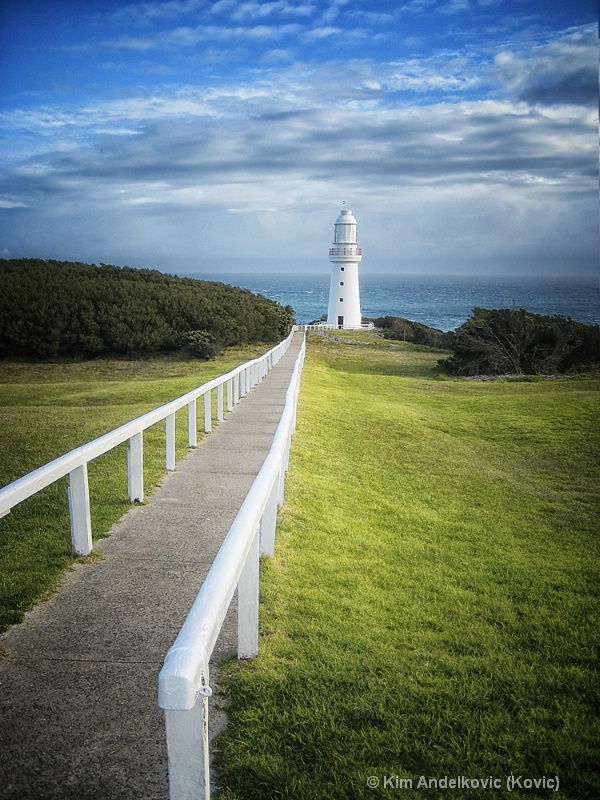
<point x="229" y="389"/>
<point x="184" y="685"/>
<point x="324" y="326"/>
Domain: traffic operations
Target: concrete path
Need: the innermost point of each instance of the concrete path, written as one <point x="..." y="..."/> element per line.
<point x="78" y="686"/>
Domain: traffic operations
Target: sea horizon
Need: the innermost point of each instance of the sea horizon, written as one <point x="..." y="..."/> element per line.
<point x="439" y="301"/>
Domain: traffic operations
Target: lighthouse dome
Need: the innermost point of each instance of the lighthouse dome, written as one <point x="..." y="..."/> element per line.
<point x="345" y="228"/>
<point x="345" y="218"/>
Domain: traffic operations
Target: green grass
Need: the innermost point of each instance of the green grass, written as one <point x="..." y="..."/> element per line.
<point x="47" y="409"/>
<point x="432" y="606"/>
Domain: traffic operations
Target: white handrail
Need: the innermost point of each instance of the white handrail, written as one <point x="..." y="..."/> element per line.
<point x="184" y="685"/>
<point x="239" y="381"/>
<point x="325" y="326"/>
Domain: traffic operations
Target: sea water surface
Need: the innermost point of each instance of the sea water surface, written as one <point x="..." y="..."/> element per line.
<point x="441" y="302"/>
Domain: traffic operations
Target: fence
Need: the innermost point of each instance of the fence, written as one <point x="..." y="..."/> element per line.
<point x="184" y="686"/>
<point x="229" y="388"/>
<point x="324" y="326"/>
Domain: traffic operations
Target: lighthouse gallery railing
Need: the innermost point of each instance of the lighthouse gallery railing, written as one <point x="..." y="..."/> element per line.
<point x="350" y="250"/>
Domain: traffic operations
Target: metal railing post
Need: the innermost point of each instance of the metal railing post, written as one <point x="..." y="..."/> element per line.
<point x="281" y="487"/>
<point x="192" y="424"/>
<point x="79" y="511"/>
<point x="170" y="442"/>
<point x="135" y="467"/>
<point x="248" y="592"/>
<point x="230" y="394"/>
<point x="220" y="410"/>
<point x="187" y="737"/>
<point x="208" y="412"/>
<point x="268" y="523"/>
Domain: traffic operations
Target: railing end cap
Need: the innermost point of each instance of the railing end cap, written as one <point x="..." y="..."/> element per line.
<point x="181" y="680"/>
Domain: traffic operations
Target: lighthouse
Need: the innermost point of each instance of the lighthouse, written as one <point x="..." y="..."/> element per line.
<point x="345" y="256"/>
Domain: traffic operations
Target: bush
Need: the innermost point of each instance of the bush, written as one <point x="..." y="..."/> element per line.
<point x="50" y="309"/>
<point x="201" y="344"/>
<point x="402" y="329"/>
<point x="499" y="342"/>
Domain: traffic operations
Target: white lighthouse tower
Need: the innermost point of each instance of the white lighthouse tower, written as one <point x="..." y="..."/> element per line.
<point x="345" y="256"/>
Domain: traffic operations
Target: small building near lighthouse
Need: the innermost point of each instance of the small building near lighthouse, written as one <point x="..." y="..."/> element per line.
<point x="344" y="293"/>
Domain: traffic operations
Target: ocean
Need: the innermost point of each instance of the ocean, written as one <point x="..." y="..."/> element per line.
<point x="440" y="302"/>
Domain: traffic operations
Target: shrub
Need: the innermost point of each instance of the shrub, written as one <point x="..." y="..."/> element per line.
<point x="502" y="341"/>
<point x="402" y="329"/>
<point x="201" y="344"/>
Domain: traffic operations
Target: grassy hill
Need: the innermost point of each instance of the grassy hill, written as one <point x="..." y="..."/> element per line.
<point x="432" y="606"/>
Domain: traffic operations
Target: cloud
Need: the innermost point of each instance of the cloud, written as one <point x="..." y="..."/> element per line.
<point x="455" y="7"/>
<point x="448" y="74"/>
<point x="154" y="15"/>
<point x="255" y="10"/>
<point x="322" y="33"/>
<point x="144" y="14"/>
<point x="555" y="73"/>
<point x="333" y="9"/>
<point x="188" y="37"/>
<point x="484" y="142"/>
<point x="460" y="158"/>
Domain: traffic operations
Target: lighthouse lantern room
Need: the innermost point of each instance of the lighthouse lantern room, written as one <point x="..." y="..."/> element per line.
<point x="345" y="255"/>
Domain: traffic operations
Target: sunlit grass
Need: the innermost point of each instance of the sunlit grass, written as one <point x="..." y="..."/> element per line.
<point x="432" y="606"/>
<point x="47" y="409"/>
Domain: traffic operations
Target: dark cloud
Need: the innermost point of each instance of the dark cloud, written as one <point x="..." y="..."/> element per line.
<point x="550" y="87"/>
<point x="438" y="143"/>
<point x="564" y="71"/>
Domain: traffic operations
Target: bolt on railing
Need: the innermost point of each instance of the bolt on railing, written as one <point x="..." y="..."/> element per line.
<point x="238" y="383"/>
<point x="184" y="681"/>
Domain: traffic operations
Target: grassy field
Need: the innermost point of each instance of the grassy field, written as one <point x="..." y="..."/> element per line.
<point x="432" y="607"/>
<point x="47" y="409"/>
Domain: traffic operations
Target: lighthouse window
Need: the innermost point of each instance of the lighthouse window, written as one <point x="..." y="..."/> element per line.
<point x="341" y="283"/>
<point x="341" y="269"/>
<point x="341" y="299"/>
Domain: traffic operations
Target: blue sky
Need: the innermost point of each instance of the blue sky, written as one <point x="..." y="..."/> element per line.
<point x="200" y="136"/>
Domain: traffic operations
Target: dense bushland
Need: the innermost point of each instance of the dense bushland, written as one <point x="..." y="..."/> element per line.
<point x="502" y="341"/>
<point x="414" y="332"/>
<point x="56" y="308"/>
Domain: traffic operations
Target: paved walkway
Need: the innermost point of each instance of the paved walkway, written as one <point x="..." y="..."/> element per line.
<point x="78" y="686"/>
